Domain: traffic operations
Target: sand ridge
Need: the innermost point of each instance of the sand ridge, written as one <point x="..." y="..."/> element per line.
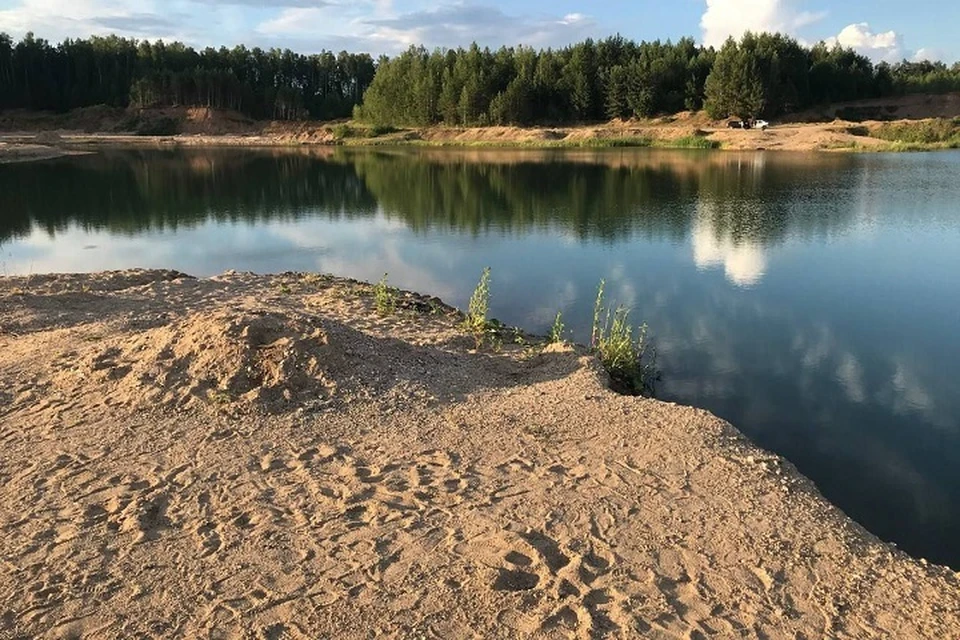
<point x="405" y="485"/>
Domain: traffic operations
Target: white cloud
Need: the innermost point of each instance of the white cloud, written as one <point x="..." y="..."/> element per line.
<point x="876" y="46"/>
<point x="446" y="25"/>
<point x="725" y="18"/>
<point x="56" y="20"/>
<point x="928" y="53"/>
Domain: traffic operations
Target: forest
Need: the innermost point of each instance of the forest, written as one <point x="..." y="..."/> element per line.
<point x="761" y="75"/>
<point x="120" y="72"/>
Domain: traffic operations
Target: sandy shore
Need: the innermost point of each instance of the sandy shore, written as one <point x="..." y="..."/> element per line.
<point x="28" y="135"/>
<point x="265" y="457"/>
<point x="834" y="136"/>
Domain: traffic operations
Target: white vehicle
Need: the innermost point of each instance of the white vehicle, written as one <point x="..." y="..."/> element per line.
<point x="760" y="124"/>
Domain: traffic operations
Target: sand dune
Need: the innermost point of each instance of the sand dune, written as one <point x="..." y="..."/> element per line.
<point x="265" y="457"/>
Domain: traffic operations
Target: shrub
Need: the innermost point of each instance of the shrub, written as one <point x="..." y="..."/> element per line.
<point x="385" y="297"/>
<point x="476" y="321"/>
<point x="939" y="130"/>
<point x="342" y="131"/>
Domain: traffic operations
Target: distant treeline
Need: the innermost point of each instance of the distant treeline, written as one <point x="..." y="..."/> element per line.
<point x="122" y="72"/>
<point x="761" y="75"/>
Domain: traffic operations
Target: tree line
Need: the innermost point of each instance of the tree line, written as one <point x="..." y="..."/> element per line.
<point x="760" y="75"/>
<point x="120" y="72"/>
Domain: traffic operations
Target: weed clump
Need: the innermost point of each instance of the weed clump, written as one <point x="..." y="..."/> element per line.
<point x="476" y="322"/>
<point x="625" y="355"/>
<point x="556" y="331"/>
<point x="385" y="297"/>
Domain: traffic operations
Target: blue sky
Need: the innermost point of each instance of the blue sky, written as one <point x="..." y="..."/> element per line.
<point x="882" y="29"/>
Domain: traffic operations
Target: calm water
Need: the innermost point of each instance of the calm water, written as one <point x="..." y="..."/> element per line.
<point x="812" y="300"/>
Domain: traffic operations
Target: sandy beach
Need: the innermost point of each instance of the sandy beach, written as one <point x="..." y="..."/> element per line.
<point x="267" y="457"/>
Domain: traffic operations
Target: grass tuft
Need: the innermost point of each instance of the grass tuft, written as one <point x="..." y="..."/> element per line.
<point x="625" y="355"/>
<point x="556" y="331"/>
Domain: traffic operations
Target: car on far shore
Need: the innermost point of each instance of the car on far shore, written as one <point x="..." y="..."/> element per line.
<point x="748" y="124"/>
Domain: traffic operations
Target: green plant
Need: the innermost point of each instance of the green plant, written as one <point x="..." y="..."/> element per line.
<point x="220" y="396"/>
<point x="556" y="331"/>
<point x="385" y="297"/>
<point x="936" y="131"/>
<point x="342" y="131"/>
<point x="476" y="321"/>
<point x="625" y="355"/>
<point x="691" y="142"/>
<point x="378" y="130"/>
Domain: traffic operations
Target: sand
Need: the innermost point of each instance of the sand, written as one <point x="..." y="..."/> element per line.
<point x="27" y="135"/>
<point x="266" y="457"/>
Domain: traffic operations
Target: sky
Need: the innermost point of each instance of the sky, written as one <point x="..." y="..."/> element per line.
<point x="882" y="29"/>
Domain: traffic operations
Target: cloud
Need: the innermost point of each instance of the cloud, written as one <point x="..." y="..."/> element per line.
<point x="59" y="19"/>
<point x="267" y="3"/>
<point x="448" y="25"/>
<point x="725" y="18"/>
<point x="928" y="53"/>
<point x="145" y="24"/>
<point x="876" y="46"/>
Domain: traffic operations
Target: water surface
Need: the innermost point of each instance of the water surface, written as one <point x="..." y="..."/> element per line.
<point x="810" y="299"/>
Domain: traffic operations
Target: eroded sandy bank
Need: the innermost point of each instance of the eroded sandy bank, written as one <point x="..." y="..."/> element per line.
<point x="265" y="456"/>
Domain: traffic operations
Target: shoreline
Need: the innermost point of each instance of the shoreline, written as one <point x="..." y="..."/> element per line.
<point x="41" y="137"/>
<point x="316" y="468"/>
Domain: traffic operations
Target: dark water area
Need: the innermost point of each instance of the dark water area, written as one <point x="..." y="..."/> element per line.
<point x="813" y="300"/>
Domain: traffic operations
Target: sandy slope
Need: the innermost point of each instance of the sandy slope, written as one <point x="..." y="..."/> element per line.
<point x="265" y="457"/>
<point x="817" y="129"/>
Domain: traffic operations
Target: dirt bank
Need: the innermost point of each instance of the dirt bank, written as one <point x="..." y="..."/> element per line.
<point x="265" y="456"/>
<point x="848" y="126"/>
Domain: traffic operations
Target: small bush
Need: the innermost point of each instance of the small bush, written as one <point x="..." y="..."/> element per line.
<point x="378" y="130"/>
<point x="385" y="297"/>
<point x="476" y="322"/>
<point x="625" y="355"/>
<point x="342" y="131"/>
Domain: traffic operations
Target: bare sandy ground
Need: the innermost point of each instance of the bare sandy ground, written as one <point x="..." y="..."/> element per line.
<point x="266" y="457"/>
<point x="814" y="130"/>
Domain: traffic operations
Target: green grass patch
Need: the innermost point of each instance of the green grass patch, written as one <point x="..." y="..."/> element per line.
<point x="940" y="131"/>
<point x="689" y="142"/>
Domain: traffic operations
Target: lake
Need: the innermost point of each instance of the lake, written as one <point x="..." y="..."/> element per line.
<point x="812" y="300"/>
